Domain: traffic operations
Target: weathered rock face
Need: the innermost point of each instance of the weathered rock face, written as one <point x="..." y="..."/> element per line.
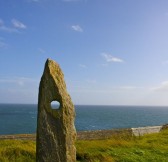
<point x="55" y="127"/>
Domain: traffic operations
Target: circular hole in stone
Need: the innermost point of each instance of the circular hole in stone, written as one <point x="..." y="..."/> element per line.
<point x="55" y="105"/>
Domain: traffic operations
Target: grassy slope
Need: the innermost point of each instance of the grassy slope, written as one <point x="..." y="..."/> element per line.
<point x="153" y="147"/>
<point x="17" y="151"/>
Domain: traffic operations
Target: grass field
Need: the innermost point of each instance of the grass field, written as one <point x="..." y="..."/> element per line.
<point x="17" y="151"/>
<point x="148" y="148"/>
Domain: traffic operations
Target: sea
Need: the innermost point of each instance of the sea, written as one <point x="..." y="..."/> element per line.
<point x="22" y="118"/>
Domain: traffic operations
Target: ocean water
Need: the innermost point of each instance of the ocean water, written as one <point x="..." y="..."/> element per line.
<point x="21" y="118"/>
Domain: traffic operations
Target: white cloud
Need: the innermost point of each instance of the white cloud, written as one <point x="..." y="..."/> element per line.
<point x="71" y="0"/>
<point x="1" y="38"/>
<point x="92" y="81"/>
<point x="77" y="28"/>
<point x="33" y="1"/>
<point x="1" y="22"/>
<point x="18" y="90"/>
<point x="117" y="95"/>
<point x="2" y="44"/>
<point x="163" y="87"/>
<point x="8" y="29"/>
<point x="18" y="24"/>
<point x="129" y="87"/>
<point x="110" y="58"/>
<point x="165" y="62"/>
<point x="3" y="27"/>
<point x="82" y="66"/>
<point x="41" y="50"/>
<point x="21" y="81"/>
<point x="40" y="1"/>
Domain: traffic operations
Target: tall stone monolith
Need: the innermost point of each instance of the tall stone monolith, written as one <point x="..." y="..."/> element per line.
<point x="55" y="127"/>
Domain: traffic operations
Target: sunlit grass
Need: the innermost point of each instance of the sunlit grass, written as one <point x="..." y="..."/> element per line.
<point x="17" y="151"/>
<point x="153" y="147"/>
<point x="123" y="148"/>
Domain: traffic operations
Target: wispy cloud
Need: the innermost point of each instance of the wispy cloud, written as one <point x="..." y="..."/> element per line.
<point x="41" y="50"/>
<point x="33" y="1"/>
<point x="110" y="58"/>
<point x="18" y="89"/>
<point x="21" y="81"/>
<point x="119" y="89"/>
<point x="1" y="22"/>
<point x="82" y="66"/>
<point x="18" y="24"/>
<point x="36" y="1"/>
<point x="128" y="87"/>
<point x="5" y="28"/>
<point x="92" y="81"/>
<point x="163" y="87"/>
<point x="165" y="62"/>
<point x="71" y="0"/>
<point x="77" y="28"/>
<point x="2" y="44"/>
<point x="125" y="88"/>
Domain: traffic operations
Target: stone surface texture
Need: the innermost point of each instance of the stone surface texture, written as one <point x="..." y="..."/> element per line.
<point x="56" y="133"/>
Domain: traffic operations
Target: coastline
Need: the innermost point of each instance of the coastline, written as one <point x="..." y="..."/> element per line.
<point x="97" y="134"/>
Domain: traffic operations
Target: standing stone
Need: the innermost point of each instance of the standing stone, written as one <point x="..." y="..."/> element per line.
<point x="56" y="133"/>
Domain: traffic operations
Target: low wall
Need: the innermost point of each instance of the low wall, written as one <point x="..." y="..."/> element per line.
<point x="19" y="136"/>
<point x="145" y="130"/>
<point x="98" y="134"/>
<point x="102" y="134"/>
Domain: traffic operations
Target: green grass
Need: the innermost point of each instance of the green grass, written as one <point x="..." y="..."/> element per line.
<point x="123" y="148"/>
<point x="153" y="148"/>
<point x="17" y="151"/>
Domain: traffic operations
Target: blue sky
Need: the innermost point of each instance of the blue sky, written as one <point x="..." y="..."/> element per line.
<point x="111" y="52"/>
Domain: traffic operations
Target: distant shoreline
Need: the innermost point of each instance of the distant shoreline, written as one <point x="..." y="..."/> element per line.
<point x="22" y="119"/>
<point x="97" y="134"/>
